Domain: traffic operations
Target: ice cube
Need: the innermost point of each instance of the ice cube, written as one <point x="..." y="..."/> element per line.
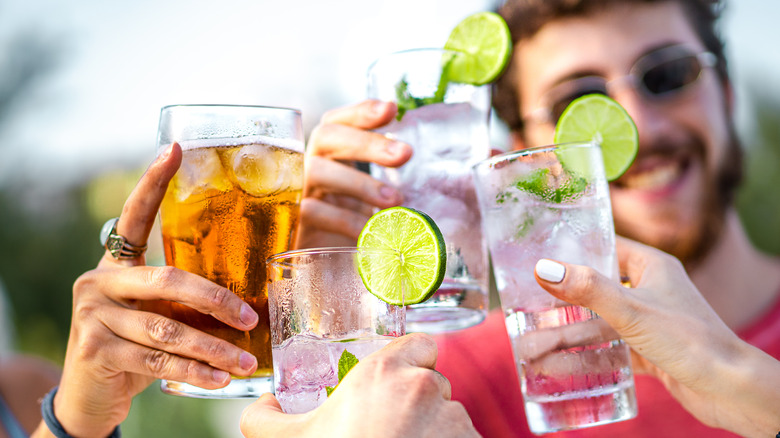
<point x="307" y="364"/>
<point x="200" y="173"/>
<point x="257" y="172"/>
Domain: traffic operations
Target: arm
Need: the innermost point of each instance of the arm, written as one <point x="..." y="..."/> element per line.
<point x="394" y="392"/>
<point x="116" y="348"/>
<point x="677" y="337"/>
<point x="338" y="198"/>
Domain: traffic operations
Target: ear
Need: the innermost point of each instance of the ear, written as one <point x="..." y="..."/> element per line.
<point x="516" y="141"/>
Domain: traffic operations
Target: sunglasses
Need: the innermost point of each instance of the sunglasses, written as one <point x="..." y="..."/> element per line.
<point x="659" y="74"/>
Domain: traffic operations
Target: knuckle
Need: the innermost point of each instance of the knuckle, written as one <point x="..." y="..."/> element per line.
<point x="163" y="276"/>
<point x="587" y="282"/>
<point x="424" y="341"/>
<point x="193" y="370"/>
<point x="84" y="283"/>
<point x="156" y="362"/>
<point x="382" y="365"/>
<point x="162" y="330"/>
<point x="423" y="383"/>
<point x="84" y="311"/>
<point x="216" y="349"/>
<point x="219" y="296"/>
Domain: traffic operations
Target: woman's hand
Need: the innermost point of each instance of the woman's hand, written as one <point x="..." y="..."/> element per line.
<point x="677" y="337"/>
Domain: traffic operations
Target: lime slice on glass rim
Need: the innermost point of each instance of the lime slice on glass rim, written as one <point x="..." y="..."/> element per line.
<point x="484" y="40"/>
<point x="598" y="118"/>
<point x="412" y="267"/>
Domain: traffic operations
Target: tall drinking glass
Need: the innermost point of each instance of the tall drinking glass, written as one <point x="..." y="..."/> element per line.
<point x="553" y="202"/>
<point x="233" y="202"/>
<point x="319" y="309"/>
<point x="447" y="137"/>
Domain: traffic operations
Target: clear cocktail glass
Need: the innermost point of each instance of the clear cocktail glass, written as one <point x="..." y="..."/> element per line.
<point x="319" y="308"/>
<point x="553" y="202"/>
<point x="448" y="134"/>
<point x="233" y="202"/>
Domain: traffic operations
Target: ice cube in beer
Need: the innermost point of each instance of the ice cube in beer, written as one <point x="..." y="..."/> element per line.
<point x="200" y="175"/>
<point x="259" y="170"/>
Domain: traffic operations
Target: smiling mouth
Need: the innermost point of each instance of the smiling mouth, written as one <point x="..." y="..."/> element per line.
<point x="655" y="175"/>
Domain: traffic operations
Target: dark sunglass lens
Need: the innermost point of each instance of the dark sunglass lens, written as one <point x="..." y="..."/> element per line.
<point x="671" y="75"/>
<point x="559" y="106"/>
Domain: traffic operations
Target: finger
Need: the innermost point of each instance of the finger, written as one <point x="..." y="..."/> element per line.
<point x="173" y="337"/>
<point x="534" y="345"/>
<point x="369" y="114"/>
<point x="140" y="209"/>
<point x="444" y="385"/>
<point x="586" y="287"/>
<point x="145" y="361"/>
<point x="169" y="283"/>
<point x="265" y="418"/>
<point x="635" y="259"/>
<point x="316" y="214"/>
<point x="341" y="142"/>
<point x="328" y="176"/>
<point x="416" y="349"/>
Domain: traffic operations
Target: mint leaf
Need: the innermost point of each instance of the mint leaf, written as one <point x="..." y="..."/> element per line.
<point x="537" y="184"/>
<point x="407" y="102"/>
<point x="346" y="362"/>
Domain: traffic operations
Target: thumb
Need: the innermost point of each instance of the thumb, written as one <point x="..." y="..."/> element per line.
<point x="265" y="418"/>
<point x="586" y="287"/>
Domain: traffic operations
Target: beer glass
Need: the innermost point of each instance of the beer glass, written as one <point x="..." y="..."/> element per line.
<point x="233" y="202"/>
<point x="553" y="202"/>
<point x="448" y="136"/>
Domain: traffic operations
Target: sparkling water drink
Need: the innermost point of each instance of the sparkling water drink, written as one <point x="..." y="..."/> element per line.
<point x="553" y="202"/>
<point x="306" y="366"/>
<point x="233" y="202"/>
<point x="448" y="135"/>
<point x="319" y="308"/>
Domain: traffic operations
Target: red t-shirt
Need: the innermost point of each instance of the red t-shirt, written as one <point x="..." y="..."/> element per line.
<point x="480" y="366"/>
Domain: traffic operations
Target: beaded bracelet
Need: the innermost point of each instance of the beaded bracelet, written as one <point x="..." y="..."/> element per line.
<point x="47" y="411"/>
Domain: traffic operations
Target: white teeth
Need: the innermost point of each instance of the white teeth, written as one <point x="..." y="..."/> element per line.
<point x="653" y="178"/>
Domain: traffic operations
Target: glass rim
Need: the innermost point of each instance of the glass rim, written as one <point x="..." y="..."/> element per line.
<point x="230" y="106"/>
<point x="504" y="156"/>
<point x="275" y="258"/>
<point x="407" y="52"/>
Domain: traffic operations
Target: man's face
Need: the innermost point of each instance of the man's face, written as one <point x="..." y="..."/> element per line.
<point x="668" y="198"/>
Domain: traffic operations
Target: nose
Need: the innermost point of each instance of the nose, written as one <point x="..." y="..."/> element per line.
<point x="653" y="121"/>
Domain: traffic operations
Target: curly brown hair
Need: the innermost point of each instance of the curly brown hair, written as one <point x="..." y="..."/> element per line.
<point x="526" y="17"/>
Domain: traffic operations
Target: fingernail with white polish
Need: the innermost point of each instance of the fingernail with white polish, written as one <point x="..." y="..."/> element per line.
<point x="550" y="271"/>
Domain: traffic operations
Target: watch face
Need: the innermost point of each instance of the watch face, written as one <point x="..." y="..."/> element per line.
<point x="107" y="229"/>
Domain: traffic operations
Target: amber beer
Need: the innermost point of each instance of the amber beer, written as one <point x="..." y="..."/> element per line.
<point x="227" y="209"/>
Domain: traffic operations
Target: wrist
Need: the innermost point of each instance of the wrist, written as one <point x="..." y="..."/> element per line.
<point x="53" y="423"/>
<point x="750" y="392"/>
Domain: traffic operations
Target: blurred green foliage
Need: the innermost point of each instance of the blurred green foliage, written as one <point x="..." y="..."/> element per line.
<point x="758" y="201"/>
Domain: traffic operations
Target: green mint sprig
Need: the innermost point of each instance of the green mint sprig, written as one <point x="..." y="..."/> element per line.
<point x="407" y="102"/>
<point x="346" y="362"/>
<point x="537" y="184"/>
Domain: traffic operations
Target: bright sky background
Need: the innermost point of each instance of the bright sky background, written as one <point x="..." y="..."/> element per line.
<point x="98" y="109"/>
